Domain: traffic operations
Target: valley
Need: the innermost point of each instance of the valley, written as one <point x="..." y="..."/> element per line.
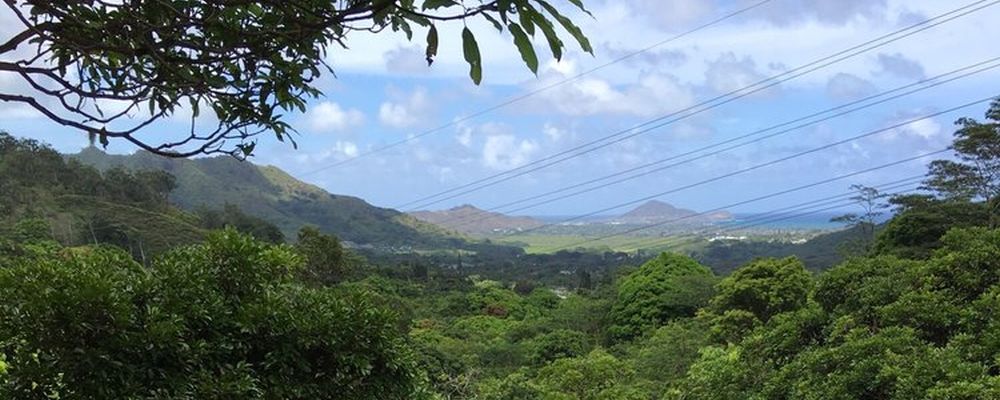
<point x="500" y="200"/>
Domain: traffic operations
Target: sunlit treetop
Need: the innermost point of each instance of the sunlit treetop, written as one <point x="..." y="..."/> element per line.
<point x="113" y="68"/>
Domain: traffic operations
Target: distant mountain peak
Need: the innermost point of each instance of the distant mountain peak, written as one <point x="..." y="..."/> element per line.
<point x="656" y="208"/>
<point x="659" y="211"/>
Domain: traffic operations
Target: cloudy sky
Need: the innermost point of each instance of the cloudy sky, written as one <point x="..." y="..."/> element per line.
<point x="384" y="93"/>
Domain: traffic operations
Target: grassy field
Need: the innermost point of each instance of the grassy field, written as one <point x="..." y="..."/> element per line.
<point x="541" y="244"/>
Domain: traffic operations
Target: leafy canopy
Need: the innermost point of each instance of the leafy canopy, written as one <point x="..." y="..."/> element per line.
<point x="111" y="69"/>
<point x="665" y="288"/>
<point x="975" y="173"/>
<point x="224" y="319"/>
<point x="879" y="328"/>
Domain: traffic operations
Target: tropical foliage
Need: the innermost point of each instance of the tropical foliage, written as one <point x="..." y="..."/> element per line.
<point x="227" y="315"/>
<point x="236" y="67"/>
<point x="223" y="319"/>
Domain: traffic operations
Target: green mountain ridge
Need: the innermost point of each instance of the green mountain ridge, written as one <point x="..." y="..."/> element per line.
<point x="147" y="232"/>
<point x="470" y="220"/>
<point x="271" y="194"/>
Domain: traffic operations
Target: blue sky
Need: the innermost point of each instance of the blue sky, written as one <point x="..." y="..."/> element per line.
<point x="384" y="92"/>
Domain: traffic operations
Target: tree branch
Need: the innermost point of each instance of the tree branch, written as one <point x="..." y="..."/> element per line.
<point x="12" y="44"/>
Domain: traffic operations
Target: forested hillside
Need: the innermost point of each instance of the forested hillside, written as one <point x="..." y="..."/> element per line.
<point x="473" y="221"/>
<point x="235" y="313"/>
<point x="80" y="205"/>
<point x="271" y="194"/>
<point x="237" y="318"/>
<point x="818" y="253"/>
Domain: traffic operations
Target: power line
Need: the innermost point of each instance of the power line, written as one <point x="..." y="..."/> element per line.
<point x="703" y="106"/>
<point x="766" y="164"/>
<point x="829" y="204"/>
<point x="767" y="196"/>
<point x="681" y="241"/>
<point x="934" y="82"/>
<point x="545" y="88"/>
<point x="837" y="202"/>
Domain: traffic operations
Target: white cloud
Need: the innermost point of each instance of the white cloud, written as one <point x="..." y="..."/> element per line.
<point x="17" y="111"/>
<point x="345" y="148"/>
<point x="464" y="136"/>
<point x="729" y="73"/>
<point x="330" y="117"/>
<point x="844" y="86"/>
<point x="673" y="15"/>
<point x="405" y="111"/>
<point x="656" y="58"/>
<point x="10" y="83"/>
<point x="502" y="152"/>
<point x="805" y="30"/>
<point x="652" y="94"/>
<point x="564" y="67"/>
<point x="919" y="132"/>
<point x="395" y="115"/>
<point x="380" y="53"/>
<point x="907" y="17"/>
<point x="629" y="153"/>
<point x="676" y="15"/>
<point x="925" y="128"/>
<point x="340" y="150"/>
<point x="900" y="66"/>
<point x="553" y="132"/>
<point x="828" y="12"/>
<point x="409" y="60"/>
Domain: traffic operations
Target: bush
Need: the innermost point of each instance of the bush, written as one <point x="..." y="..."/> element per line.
<point x="220" y="320"/>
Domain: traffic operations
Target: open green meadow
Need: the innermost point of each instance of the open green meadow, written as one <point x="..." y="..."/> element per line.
<point x="543" y="244"/>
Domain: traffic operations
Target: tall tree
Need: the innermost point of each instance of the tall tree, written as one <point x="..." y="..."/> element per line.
<point x="113" y="68"/>
<point x="974" y="174"/>
<point x="870" y="200"/>
<point x="326" y="260"/>
<point x="665" y="288"/>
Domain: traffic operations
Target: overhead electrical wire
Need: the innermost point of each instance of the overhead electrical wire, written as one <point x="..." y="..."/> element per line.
<point x="677" y="242"/>
<point x="914" y="88"/>
<point x="698" y="108"/>
<point x="545" y="88"/>
<point x="696" y="236"/>
<point x="765" y="164"/>
<point x="830" y="203"/>
<point x="764" y="197"/>
<point x="680" y="241"/>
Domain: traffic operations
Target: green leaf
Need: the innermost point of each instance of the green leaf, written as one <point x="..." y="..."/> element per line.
<point x="555" y="44"/>
<point x="265" y="91"/>
<point x="570" y="27"/>
<point x="524" y="47"/>
<point x="435" y="4"/>
<point x="419" y="20"/>
<point x="526" y="22"/>
<point x="493" y="20"/>
<point x="401" y="24"/>
<point x="103" y="137"/>
<point x="247" y="148"/>
<point x="504" y="7"/>
<point x="432" y="44"/>
<point x="579" y="4"/>
<point x="472" y="56"/>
